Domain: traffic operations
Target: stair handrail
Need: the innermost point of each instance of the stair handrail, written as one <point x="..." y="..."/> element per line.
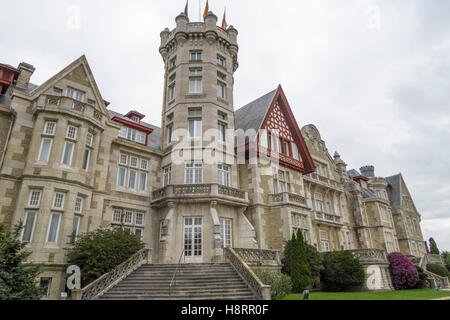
<point x="97" y="288"/>
<point x="173" y="282"/>
<point x="262" y="291"/>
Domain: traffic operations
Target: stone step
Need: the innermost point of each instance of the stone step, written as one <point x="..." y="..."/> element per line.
<point x="176" y="291"/>
<point x="165" y="298"/>
<point x="179" y="282"/>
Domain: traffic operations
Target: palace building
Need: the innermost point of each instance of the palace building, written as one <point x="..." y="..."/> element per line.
<point x="212" y="176"/>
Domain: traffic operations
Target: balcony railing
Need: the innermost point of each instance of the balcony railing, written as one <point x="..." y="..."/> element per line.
<point x="200" y="190"/>
<point x="324" y="181"/>
<point x="325" y="217"/>
<point x="259" y="256"/>
<point x="287" y="198"/>
<point x="370" y="255"/>
<point x="66" y="103"/>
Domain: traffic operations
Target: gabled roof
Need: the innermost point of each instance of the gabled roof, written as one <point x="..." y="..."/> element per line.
<point x="154" y="139"/>
<point x="253" y="114"/>
<point x="395" y="191"/>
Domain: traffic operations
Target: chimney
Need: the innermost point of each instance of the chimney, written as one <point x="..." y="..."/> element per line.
<point x="368" y="171"/>
<point x="26" y="70"/>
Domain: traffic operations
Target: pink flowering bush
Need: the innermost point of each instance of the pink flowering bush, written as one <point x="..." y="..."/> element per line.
<point x="404" y="273"/>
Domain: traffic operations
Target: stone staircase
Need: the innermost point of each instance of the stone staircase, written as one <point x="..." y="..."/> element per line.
<point x="193" y="282"/>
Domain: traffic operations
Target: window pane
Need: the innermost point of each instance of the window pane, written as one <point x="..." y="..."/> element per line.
<point x="67" y="157"/>
<point x="87" y="154"/>
<point x="132" y="179"/>
<point x="143" y="181"/>
<point x="75" y="225"/>
<point x="121" y="177"/>
<point x="53" y="230"/>
<point x="29" y="225"/>
<point x="45" y="150"/>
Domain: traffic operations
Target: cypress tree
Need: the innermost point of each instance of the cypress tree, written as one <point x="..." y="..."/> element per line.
<point x="300" y="271"/>
<point x="433" y="247"/>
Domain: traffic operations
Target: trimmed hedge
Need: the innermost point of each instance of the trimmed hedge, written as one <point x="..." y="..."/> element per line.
<point x="404" y="273"/>
<point x="438" y="269"/>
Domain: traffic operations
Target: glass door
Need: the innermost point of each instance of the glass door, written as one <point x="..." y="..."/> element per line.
<point x="193" y="237"/>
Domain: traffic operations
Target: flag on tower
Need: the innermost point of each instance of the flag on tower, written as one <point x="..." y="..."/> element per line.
<point x="186" y="8"/>
<point x="224" y="21"/>
<point x="206" y="10"/>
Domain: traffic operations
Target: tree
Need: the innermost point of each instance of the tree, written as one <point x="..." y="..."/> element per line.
<point x="446" y="256"/>
<point x="433" y="247"/>
<point x="17" y="279"/>
<point x="100" y="251"/>
<point x="300" y="271"/>
<point x="315" y="260"/>
<point x="404" y="274"/>
<point x="342" y="270"/>
<point x="286" y="261"/>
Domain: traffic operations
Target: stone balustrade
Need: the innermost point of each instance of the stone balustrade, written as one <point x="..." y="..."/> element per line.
<point x="259" y="256"/>
<point x="325" y="217"/>
<point x="287" y="198"/>
<point x="370" y="255"/>
<point x="196" y="191"/>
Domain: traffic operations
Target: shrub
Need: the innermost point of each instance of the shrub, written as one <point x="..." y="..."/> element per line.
<point x="342" y="270"/>
<point x="99" y="252"/>
<point x="404" y="273"/>
<point x="438" y="269"/>
<point x="17" y="279"/>
<point x="422" y="283"/>
<point x="300" y="271"/>
<point x="281" y="283"/>
<point x="446" y="256"/>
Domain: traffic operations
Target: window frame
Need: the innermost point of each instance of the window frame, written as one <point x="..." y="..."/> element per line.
<point x="57" y="228"/>
<point x="41" y="149"/>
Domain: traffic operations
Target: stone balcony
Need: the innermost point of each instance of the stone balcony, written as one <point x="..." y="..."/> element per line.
<point x="323" y="181"/>
<point x="323" y="217"/>
<point x="72" y="106"/>
<point x="200" y="193"/>
<point x="368" y="256"/>
<point x="287" y="198"/>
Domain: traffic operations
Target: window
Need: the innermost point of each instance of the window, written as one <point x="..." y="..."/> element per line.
<point x="123" y="159"/>
<point x="195" y="128"/>
<point x="121" y="176"/>
<point x="270" y="141"/>
<point x="143" y="181"/>
<point x="222" y="131"/>
<point x="325" y="246"/>
<point x="89" y="139"/>
<point x="133" y="135"/>
<point x="221" y="61"/>
<point x="139" y="218"/>
<point x="134" y="162"/>
<point x="195" y="71"/>
<point x="132" y="179"/>
<point x="169" y="131"/>
<point x="53" y="228"/>
<point x="161" y="226"/>
<point x="44" y="152"/>
<point x="128" y="217"/>
<point x="58" y="200"/>
<point x="45" y="285"/>
<point x="295" y="154"/>
<point x="221" y="90"/>
<point x="195" y="112"/>
<point x="68" y="153"/>
<point x="78" y="204"/>
<point x="196" y="56"/>
<point x="167" y="172"/>
<point x="171" y="92"/>
<point x="195" y="85"/>
<point x="49" y="128"/>
<point x="224" y="175"/>
<point x="280" y="145"/>
<point x="319" y="203"/>
<point x="286" y="148"/>
<point x="86" y="158"/>
<point x="281" y="182"/>
<point x="28" y="229"/>
<point x="75" y="94"/>
<point x="117" y="216"/>
<point x="144" y="164"/>
<point x="226" y="233"/>
<point x="91" y="102"/>
<point x="194" y="173"/>
<point x="35" y="198"/>
<point x="173" y="63"/>
<point x="139" y="233"/>
<point x="57" y="92"/>
<point x="75" y="227"/>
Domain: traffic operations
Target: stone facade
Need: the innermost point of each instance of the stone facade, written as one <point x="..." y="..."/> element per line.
<point x="70" y="165"/>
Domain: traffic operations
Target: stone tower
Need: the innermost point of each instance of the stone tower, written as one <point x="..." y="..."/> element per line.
<point x="200" y="175"/>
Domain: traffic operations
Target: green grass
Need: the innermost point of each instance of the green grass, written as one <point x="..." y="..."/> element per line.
<point x="416" y="294"/>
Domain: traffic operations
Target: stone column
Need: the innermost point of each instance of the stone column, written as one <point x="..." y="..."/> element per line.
<point x="167" y="242"/>
<point x="217" y="243"/>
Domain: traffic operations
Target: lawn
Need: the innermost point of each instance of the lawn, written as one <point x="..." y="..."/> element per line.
<point x="417" y="294"/>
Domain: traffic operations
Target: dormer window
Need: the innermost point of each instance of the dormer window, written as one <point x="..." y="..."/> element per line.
<point x="135" y="119"/>
<point x="75" y="94"/>
<point x="132" y="135"/>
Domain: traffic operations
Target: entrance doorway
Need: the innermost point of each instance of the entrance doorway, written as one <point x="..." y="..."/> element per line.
<point x="193" y="240"/>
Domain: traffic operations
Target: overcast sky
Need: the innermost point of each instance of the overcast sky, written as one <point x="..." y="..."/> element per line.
<point x="373" y="76"/>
